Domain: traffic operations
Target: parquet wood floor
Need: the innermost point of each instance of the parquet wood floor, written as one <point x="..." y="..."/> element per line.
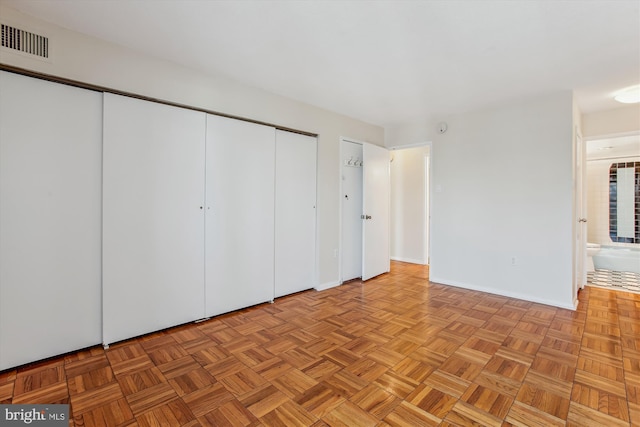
<point x="395" y="351"/>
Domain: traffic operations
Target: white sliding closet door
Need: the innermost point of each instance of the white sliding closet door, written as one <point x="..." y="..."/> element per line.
<point x="295" y="245"/>
<point x="240" y="214"/>
<point x="153" y="253"/>
<point x="50" y="207"/>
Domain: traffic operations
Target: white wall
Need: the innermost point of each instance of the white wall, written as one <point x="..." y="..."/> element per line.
<point x="89" y="60"/>
<point x="503" y="189"/>
<point x="408" y="205"/>
<point x="622" y="120"/>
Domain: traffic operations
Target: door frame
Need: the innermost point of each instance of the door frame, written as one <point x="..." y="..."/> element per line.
<point x="580" y="213"/>
<point x="426" y="225"/>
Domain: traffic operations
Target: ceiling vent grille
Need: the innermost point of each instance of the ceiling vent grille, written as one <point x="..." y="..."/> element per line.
<point x="24" y="41"/>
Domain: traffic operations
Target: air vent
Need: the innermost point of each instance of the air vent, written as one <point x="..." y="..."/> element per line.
<point x="24" y="41"/>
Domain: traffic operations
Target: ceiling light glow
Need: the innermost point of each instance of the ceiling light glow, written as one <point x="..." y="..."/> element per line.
<point x="630" y="95"/>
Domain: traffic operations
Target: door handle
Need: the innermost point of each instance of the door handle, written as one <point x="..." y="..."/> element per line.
<point x="582" y="220"/>
<point x="365" y="216"/>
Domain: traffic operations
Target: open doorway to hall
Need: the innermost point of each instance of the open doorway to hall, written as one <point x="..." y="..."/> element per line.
<point x="410" y="204"/>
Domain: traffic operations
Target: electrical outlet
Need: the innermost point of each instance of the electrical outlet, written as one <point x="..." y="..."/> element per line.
<point x="514" y="261"/>
<point x="335" y="253"/>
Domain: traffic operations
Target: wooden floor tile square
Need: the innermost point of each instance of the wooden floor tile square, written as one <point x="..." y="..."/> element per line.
<point x="375" y="401"/>
<point x="35" y="379"/>
<point x="321" y="369"/>
<point x="507" y="367"/>
<point x="110" y="414"/>
<point x="150" y="397"/>
<point x="90" y="380"/>
<point x="173" y="413"/>
<point x="263" y="400"/>
<point x="192" y="381"/>
<point x="528" y="416"/>
<point x="6" y="392"/>
<point x="272" y="368"/>
<point x="225" y="367"/>
<point x="346" y="383"/>
<point x="543" y="400"/>
<point x="461" y="367"/>
<point x="487" y="400"/>
<point x="349" y="414"/>
<point x="207" y="399"/>
<point x="288" y="414"/>
<point x="74" y="368"/>
<point x="464" y="414"/>
<point x="553" y="368"/>
<point x="499" y="383"/>
<point x="138" y="381"/>
<point x="242" y="382"/>
<point x="476" y="343"/>
<point x="408" y="415"/>
<point x="96" y="398"/>
<point x="320" y="399"/>
<point x="602" y="401"/>
<point x="293" y="382"/>
<point x="231" y="413"/>
<point x="167" y="354"/>
<point x="397" y="384"/>
<point x="432" y="400"/>
<point x="411" y="368"/>
<point x="447" y="383"/>
<point x="54" y="393"/>
<point x="579" y="414"/>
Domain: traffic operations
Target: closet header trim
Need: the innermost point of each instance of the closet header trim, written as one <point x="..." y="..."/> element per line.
<point x="82" y="85"/>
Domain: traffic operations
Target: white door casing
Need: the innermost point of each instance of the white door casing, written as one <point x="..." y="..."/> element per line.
<point x="580" y="249"/>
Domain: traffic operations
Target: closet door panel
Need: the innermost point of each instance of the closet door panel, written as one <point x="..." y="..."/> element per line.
<point x="50" y="209"/>
<point x="240" y="214"/>
<point x="295" y="238"/>
<point x="153" y="254"/>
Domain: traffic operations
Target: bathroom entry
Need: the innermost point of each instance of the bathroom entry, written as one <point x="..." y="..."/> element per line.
<point x="410" y="203"/>
<point x="365" y="210"/>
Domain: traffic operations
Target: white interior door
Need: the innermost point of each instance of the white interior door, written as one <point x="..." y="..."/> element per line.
<point x="376" y="211"/>
<point x="50" y="209"/>
<point x="240" y="217"/>
<point x="153" y="217"/>
<point x="295" y="206"/>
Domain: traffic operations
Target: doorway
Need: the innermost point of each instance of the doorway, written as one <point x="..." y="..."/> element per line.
<point x="410" y="203"/>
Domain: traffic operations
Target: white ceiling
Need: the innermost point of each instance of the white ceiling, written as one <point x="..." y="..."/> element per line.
<point x="384" y="62"/>
<point x="614" y="148"/>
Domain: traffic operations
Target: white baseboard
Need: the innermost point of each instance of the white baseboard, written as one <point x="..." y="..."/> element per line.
<point x="409" y="260"/>
<point x="517" y="295"/>
<point x="327" y="285"/>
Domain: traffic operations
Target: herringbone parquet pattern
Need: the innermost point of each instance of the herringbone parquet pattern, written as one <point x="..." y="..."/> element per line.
<point x="395" y="351"/>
